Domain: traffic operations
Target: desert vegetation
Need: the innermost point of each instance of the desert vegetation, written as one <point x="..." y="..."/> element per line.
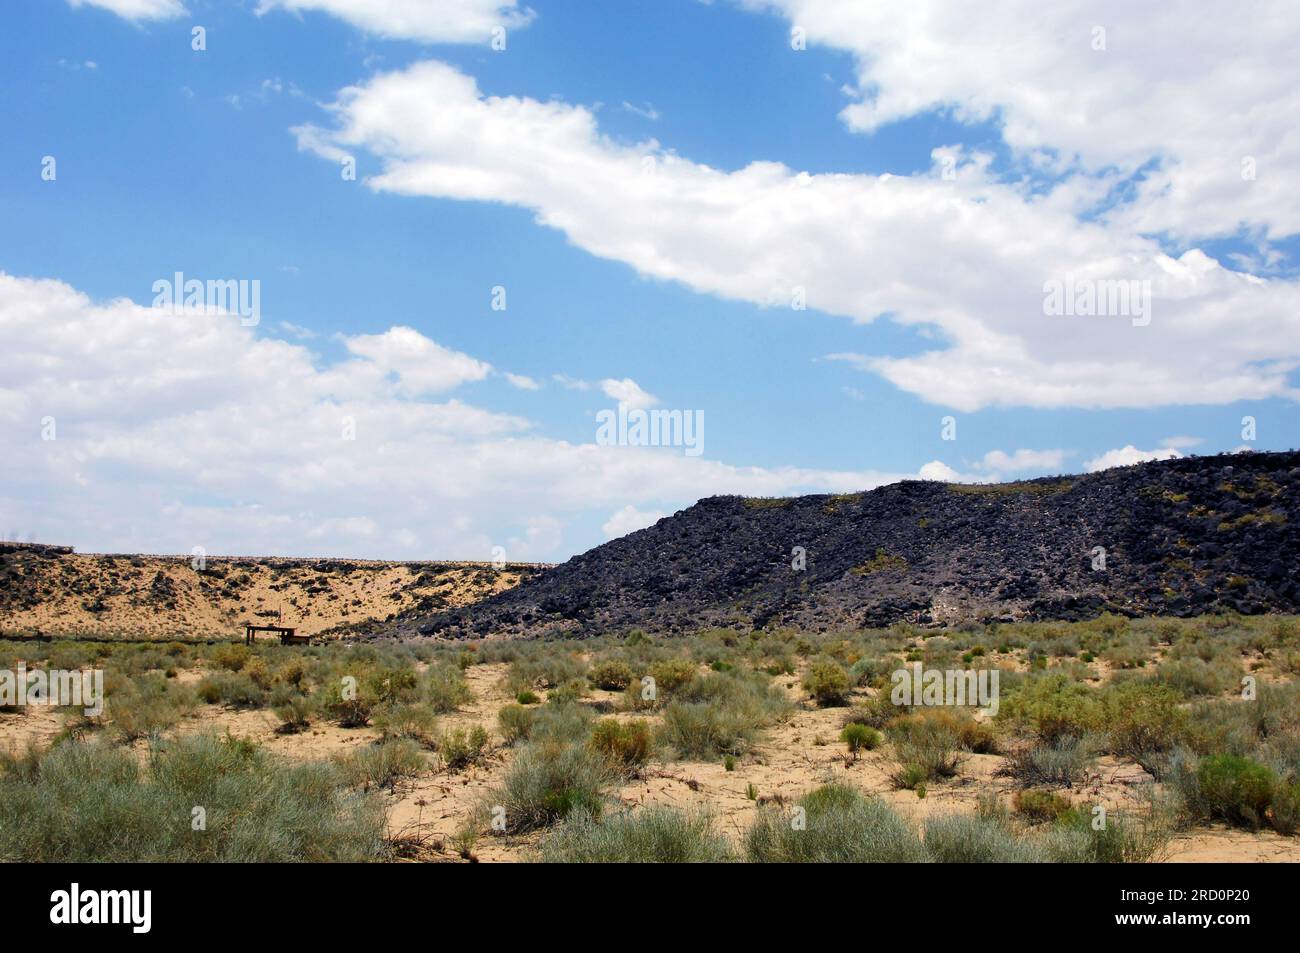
<point x="1114" y="740"/>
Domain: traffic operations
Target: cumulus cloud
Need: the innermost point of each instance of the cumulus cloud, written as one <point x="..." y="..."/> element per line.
<point x="1203" y="103"/>
<point x="628" y="520"/>
<point x="1000" y="463"/>
<point x="628" y="393"/>
<point x="136" y="9"/>
<point x="1127" y="456"/>
<point x="938" y="470"/>
<point x="965" y="261"/>
<point x="171" y="431"/>
<point x="443" y="21"/>
<point x="420" y="365"/>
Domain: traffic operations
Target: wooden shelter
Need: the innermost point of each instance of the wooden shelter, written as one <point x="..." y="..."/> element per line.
<point x="288" y="634"/>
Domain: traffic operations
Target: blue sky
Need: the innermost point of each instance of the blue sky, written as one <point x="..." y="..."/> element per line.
<point x="224" y="163"/>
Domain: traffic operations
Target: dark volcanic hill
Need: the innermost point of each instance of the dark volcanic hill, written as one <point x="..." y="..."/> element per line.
<point x="1181" y="537"/>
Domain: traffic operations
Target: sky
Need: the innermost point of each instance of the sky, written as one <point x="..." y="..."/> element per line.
<point x="836" y="244"/>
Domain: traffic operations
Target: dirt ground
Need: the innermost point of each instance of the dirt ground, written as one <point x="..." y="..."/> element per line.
<point x="166" y="597"/>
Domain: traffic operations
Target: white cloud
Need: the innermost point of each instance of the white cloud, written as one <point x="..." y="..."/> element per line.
<point x="542" y="538"/>
<point x="175" y="431"/>
<point x="628" y="520"/>
<point x="962" y="261"/>
<point x="426" y="21"/>
<point x="1182" y="442"/>
<point x="136" y="9"/>
<point x="570" y="383"/>
<point x="345" y="527"/>
<point x="938" y="470"/>
<point x="422" y="366"/>
<point x="1000" y="463"/>
<point x="1127" y="456"/>
<point x="522" y="381"/>
<point x="1189" y="93"/>
<point x="297" y="331"/>
<point x="645" y="112"/>
<point x="629" y="393"/>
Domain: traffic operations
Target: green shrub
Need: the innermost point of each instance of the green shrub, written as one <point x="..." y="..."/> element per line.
<point x="878" y="711"/>
<point x="860" y="738"/>
<point x="548" y="781"/>
<point x="235" y="689"/>
<point x="1142" y="718"/>
<point x="719" y="713"/>
<point x="638" y="697"/>
<point x="562" y="723"/>
<point x="1065" y="762"/>
<point x="350" y="705"/>
<point x="381" y="765"/>
<point x="672" y="674"/>
<point x="780" y="665"/>
<point x="258" y="673"/>
<point x="651" y="835"/>
<point x="294" y="710"/>
<point x="515" y="722"/>
<point x="975" y="736"/>
<point x="627" y="744"/>
<point x="1080" y="837"/>
<point x="1284" y="813"/>
<point x="827" y="683"/>
<point x="231" y="657"/>
<point x="838" y="825"/>
<point x="545" y="667"/>
<point x="83" y="803"/>
<point x="460" y="747"/>
<point x="390" y="684"/>
<point x="527" y="697"/>
<point x="992" y="808"/>
<point x="568" y="693"/>
<point x="911" y="777"/>
<point x="446" y="690"/>
<point x="1040" y="806"/>
<point x="1235" y="789"/>
<point x="960" y="839"/>
<point x="413" y="722"/>
<point x="1052" y="707"/>
<point x="145" y="706"/>
<point x="926" y="747"/>
<point x="701" y="731"/>
<point x="611" y="675"/>
<point x="867" y="671"/>
<point x="1192" y="677"/>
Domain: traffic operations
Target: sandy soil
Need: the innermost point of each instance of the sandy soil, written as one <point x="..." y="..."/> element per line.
<point x="166" y="597"/>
